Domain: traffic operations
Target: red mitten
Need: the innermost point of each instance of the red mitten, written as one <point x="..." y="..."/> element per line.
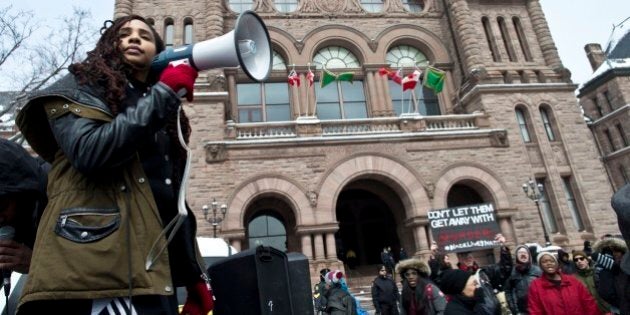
<point x="199" y="301"/>
<point x="180" y="77"/>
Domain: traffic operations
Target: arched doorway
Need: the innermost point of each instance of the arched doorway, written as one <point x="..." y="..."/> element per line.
<point x="270" y="221"/>
<point x="367" y="223"/>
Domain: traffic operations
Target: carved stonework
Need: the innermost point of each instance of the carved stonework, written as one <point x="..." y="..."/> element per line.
<point x="312" y="198"/>
<point x="308" y="6"/>
<point x="353" y="6"/>
<point x="330" y="5"/>
<point x="215" y="152"/>
<point x="373" y="44"/>
<point x="217" y="82"/>
<point x="264" y="6"/>
<point x="430" y="188"/>
<point x="499" y="138"/>
<point x="299" y="45"/>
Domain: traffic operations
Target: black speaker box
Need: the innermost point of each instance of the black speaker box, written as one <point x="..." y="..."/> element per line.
<point x="300" y="284"/>
<point x="254" y="281"/>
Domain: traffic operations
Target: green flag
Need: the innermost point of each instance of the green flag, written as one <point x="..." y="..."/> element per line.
<point x="434" y="79"/>
<point x="328" y="77"/>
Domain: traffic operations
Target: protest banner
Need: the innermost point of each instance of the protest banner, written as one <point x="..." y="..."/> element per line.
<point x="464" y="228"/>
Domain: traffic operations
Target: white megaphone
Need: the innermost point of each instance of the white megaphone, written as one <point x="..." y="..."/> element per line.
<point x="247" y="46"/>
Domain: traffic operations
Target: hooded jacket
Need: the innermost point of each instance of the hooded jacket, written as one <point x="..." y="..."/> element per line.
<point x="24" y="178"/>
<point x="519" y="281"/>
<point x="612" y="283"/>
<point x="98" y="230"/>
<point x="433" y="294"/>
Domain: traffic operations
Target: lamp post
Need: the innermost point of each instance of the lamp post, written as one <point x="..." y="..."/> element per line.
<point x="534" y="192"/>
<point x="214" y="220"/>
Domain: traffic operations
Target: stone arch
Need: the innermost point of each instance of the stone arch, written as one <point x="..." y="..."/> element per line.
<point x="467" y="171"/>
<point x="284" y="43"/>
<point x="347" y="37"/>
<point x="401" y="178"/>
<point x="269" y="184"/>
<point x="412" y="35"/>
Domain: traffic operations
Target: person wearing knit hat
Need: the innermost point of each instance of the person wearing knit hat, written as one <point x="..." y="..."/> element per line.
<point x="521" y="277"/>
<point x="557" y="293"/>
<point x="419" y="295"/>
<point x="585" y="274"/>
<point x="466" y="294"/>
<point x="338" y="301"/>
<point x="621" y="204"/>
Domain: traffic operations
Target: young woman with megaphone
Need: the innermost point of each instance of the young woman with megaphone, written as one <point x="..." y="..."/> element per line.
<point x="109" y="129"/>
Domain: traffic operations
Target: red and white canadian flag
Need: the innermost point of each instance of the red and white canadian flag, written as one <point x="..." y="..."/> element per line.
<point x="410" y="81"/>
<point x="293" y="79"/>
<point x="310" y="77"/>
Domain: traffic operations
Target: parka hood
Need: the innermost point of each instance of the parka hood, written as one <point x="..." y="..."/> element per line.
<point x="19" y="171"/>
<point x="412" y="263"/>
<point x="611" y="242"/>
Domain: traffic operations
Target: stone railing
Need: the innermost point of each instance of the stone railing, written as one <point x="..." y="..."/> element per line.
<point x="350" y="127"/>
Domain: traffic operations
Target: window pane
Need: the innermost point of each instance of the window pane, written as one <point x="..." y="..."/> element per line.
<point x="240" y="5"/>
<point x="428" y="101"/>
<point x="247" y="115"/>
<point x="571" y="202"/>
<point x="372" y="5"/>
<point x="188" y="34"/>
<point x="412" y="5"/>
<point x="401" y="101"/>
<point x="547" y="124"/>
<point x="547" y="212"/>
<point x="275" y="227"/>
<point x="168" y="35"/>
<point x="278" y="112"/>
<point x="258" y="227"/>
<point x="520" y="117"/>
<point x="278" y="62"/>
<point x="354" y="100"/>
<point x="248" y="94"/>
<point x="285" y="5"/>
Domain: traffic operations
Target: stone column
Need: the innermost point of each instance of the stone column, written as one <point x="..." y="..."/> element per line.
<point x="331" y="246"/>
<point x="541" y="28"/>
<point x="122" y="8"/>
<point x="506" y="229"/>
<point x="236" y="243"/>
<point x="319" y="247"/>
<point x="420" y="234"/>
<point x="466" y="33"/>
<point x="307" y="248"/>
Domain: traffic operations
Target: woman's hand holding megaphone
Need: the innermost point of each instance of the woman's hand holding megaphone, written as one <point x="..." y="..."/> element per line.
<point x="180" y="78"/>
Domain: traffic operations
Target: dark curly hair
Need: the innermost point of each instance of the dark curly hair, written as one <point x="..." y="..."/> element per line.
<point x="106" y="68"/>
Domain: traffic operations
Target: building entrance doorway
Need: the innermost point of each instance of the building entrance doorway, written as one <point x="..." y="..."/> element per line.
<point x="366" y="226"/>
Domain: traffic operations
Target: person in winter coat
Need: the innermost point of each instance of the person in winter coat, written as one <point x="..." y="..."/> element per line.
<point x="419" y="294"/>
<point x="608" y="276"/>
<point x="338" y="300"/>
<point x="466" y="295"/>
<point x="621" y="204"/>
<point x="443" y="263"/>
<point x="22" y="200"/>
<point x="517" y="285"/>
<point x="585" y="274"/>
<point x="567" y="267"/>
<point x="384" y="293"/>
<point x="556" y="293"/>
<point x="109" y="129"/>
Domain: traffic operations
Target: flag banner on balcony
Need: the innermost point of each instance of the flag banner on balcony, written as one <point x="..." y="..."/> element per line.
<point x="294" y="79"/>
<point x="410" y="81"/>
<point x="328" y="77"/>
<point x="395" y="76"/>
<point x="434" y="79"/>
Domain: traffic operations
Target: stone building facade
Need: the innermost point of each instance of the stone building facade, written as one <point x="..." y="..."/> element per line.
<point x="605" y="98"/>
<point x="357" y="166"/>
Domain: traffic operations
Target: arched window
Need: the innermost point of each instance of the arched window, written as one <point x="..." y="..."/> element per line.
<point x="340" y="99"/>
<point x="507" y="40"/>
<point x="413" y="5"/>
<point x="522" y="39"/>
<point x="544" y="113"/>
<point x="523" y="125"/>
<point x="268" y="101"/>
<point x="239" y="6"/>
<point x="569" y="194"/>
<point x="188" y="31"/>
<point x="420" y="100"/>
<point x="549" y="218"/>
<point x="285" y="5"/>
<point x="267" y="230"/>
<point x="168" y="32"/>
<point x="373" y="6"/>
<point x="492" y="44"/>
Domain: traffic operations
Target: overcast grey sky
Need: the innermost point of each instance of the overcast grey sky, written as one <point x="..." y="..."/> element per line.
<point x="573" y="23"/>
